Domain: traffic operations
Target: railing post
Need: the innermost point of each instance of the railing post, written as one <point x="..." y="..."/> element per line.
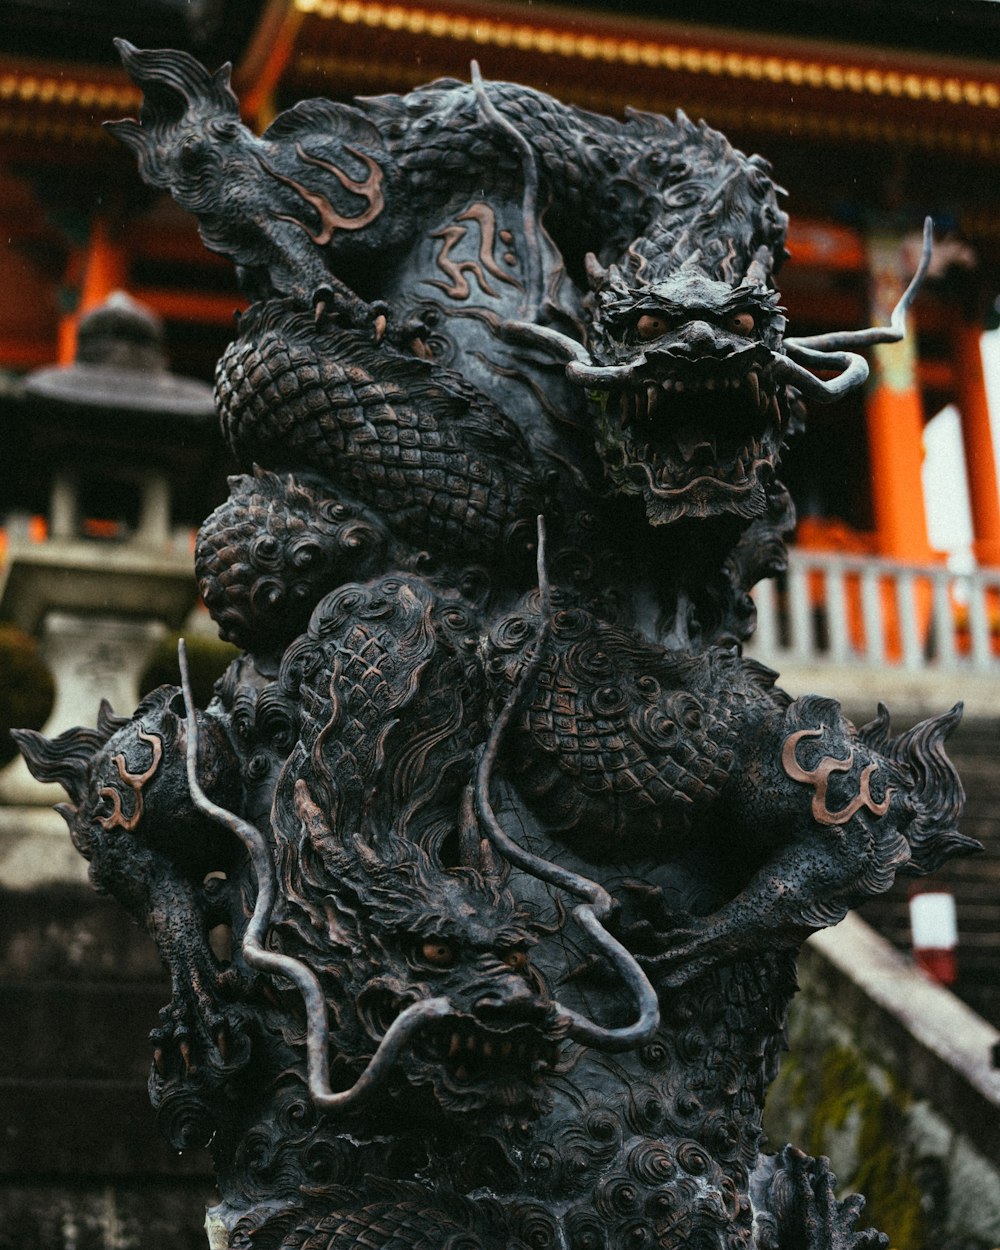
<point x="979" y="628"/>
<point x="766" y="639"/>
<point x="909" y="633"/>
<point x="944" y="621"/>
<point x="800" y="612"/>
<point x="836" y="613"/>
<point x="871" y="610"/>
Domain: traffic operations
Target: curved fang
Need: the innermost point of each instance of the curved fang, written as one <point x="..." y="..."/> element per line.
<point x="303" y="978"/>
<point x="598" y="905"/>
<point x="854" y="372"/>
<point x="893" y="332"/>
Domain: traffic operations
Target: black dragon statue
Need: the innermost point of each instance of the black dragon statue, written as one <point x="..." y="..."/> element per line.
<point x="513" y="847"/>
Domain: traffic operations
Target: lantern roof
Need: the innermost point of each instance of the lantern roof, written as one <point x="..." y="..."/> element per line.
<point x="121" y="367"/>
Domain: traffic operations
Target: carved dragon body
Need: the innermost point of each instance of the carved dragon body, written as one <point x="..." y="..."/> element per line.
<point x="474" y="305"/>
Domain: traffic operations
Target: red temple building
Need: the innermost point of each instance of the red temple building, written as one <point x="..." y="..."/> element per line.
<point x="867" y="134"/>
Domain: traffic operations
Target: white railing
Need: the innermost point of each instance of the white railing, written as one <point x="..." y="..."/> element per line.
<point x="861" y="611"/>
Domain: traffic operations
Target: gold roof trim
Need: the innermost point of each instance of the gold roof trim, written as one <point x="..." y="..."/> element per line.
<point x="32" y="87"/>
<point x="784" y="121"/>
<point x="549" y="39"/>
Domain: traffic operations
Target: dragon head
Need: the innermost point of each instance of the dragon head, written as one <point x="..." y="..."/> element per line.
<point x="691" y="411"/>
<point x="189" y="131"/>
<point x="399" y="929"/>
<point x="693" y="384"/>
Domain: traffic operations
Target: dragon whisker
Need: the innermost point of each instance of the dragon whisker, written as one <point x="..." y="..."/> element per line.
<point x="303" y="978"/>
<point x="894" y="331"/>
<point x="854" y="371"/>
<point x="598" y="905"/>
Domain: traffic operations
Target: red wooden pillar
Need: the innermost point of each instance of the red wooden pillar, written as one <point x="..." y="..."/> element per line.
<point x="977" y="439"/>
<point x="103" y="270"/>
<point x="895" y="419"/>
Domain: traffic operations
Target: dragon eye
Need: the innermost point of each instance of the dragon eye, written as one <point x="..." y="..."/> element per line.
<point x="438" y="952"/>
<point x="518" y="960"/>
<point x="650" y="326"/>
<point x="741" y="323"/>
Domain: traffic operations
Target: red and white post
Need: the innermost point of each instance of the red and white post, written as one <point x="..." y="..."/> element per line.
<point x="934" y="933"/>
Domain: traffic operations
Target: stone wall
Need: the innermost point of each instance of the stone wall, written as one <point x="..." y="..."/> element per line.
<point x="81" y="1164"/>
<point x="890" y="1076"/>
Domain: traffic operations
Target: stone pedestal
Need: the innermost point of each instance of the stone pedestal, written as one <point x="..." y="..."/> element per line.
<point x="66" y="593"/>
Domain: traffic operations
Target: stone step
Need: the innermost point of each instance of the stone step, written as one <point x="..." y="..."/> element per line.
<point x="77" y="1030"/>
<point x="84" y="1129"/>
<point x="68" y="932"/>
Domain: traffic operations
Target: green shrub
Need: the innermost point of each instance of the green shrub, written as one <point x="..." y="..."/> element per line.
<point x="27" y="689"/>
<point x="208" y="659"/>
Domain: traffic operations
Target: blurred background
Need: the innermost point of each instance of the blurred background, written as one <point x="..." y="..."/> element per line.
<point x="874" y="114"/>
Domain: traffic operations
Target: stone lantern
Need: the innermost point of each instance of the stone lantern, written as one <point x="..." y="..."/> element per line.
<point x="118" y="437"/>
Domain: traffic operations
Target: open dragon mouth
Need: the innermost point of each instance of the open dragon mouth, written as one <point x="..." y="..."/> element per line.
<point x="471" y="1067"/>
<point x="694" y="441"/>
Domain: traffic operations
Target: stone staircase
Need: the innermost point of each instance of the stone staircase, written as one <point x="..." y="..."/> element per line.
<point x="81" y="1164"/>
<point x="974" y="880"/>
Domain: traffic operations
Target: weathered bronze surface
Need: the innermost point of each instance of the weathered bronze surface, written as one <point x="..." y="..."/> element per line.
<point x="515" y="848"/>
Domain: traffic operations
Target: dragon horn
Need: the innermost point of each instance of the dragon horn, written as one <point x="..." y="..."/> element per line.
<point x="172" y="82"/>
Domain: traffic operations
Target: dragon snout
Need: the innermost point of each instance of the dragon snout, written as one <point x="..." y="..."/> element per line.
<point x="696" y="339"/>
<point x="511" y="1001"/>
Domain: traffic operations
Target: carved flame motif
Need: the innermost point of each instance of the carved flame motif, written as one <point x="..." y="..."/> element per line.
<point x="820" y="778"/>
<point x="455" y="270"/>
<point x="135" y="782"/>
<point x="330" y="219"/>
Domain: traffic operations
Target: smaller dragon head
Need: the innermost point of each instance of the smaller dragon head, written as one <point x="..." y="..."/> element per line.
<point x="125" y="780"/>
<point x="401" y="929"/>
<point x="692" y="412"/>
<point x="189" y="130"/>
